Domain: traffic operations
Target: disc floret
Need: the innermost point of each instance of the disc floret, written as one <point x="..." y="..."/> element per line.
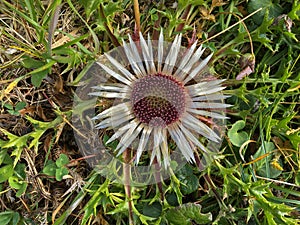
<point x="158" y="100"/>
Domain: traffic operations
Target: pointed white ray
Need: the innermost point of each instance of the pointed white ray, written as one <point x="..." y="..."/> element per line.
<point x="161" y="146"/>
<point x="118" y="87"/>
<point x="114" y="74"/>
<point x="209" y="105"/>
<point x="186" y="58"/>
<point x="197" y="69"/>
<point x="157" y="139"/>
<point x="152" y="65"/>
<point x="145" y="52"/>
<point x="120" y="132"/>
<point x="194" y="124"/>
<point x="136" y="55"/>
<point x="186" y="144"/>
<point x="143" y="142"/>
<point x="160" y="51"/>
<point x="120" y="108"/>
<point x="197" y="92"/>
<point x="207" y="113"/>
<point x="210" y="97"/>
<point x="205" y="88"/>
<point x="132" y="60"/>
<point x="120" y="67"/>
<point x="172" y="56"/>
<point x="108" y="91"/>
<point x="129" y="136"/>
<point x="165" y="149"/>
<point x="115" y="120"/>
<point x="207" y="85"/>
<point x="192" y="138"/>
<point x="195" y="58"/>
<point x="104" y="94"/>
<point x="181" y="142"/>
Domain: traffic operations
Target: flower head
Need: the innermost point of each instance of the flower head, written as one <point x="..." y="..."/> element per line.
<point x="159" y="99"/>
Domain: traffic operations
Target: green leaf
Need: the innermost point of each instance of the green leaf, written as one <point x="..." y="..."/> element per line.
<point x="97" y="197"/>
<point x="89" y="67"/>
<point x="189" y="184"/>
<point x="182" y="4"/>
<point x="16" y="142"/>
<point x="14" y="182"/>
<point x="60" y="172"/>
<point x="13" y="112"/>
<point x="18" y="184"/>
<point x="32" y="9"/>
<point x="36" y="78"/>
<point x="297" y="178"/>
<point x="185" y="214"/>
<point x="120" y="208"/>
<point x="295" y="12"/>
<point x="112" y="144"/>
<point x="172" y="199"/>
<point x="64" y="55"/>
<point x="40" y="73"/>
<point x="90" y="6"/>
<point x="8" y="106"/>
<point x="274" y="10"/>
<point x="15" y="218"/>
<point x="40" y="129"/>
<point x="295" y="139"/>
<point x="4" y="157"/>
<point x="9" y="216"/>
<point x="152" y="210"/>
<point x="186" y="170"/>
<point x="20" y="105"/>
<point x="50" y="168"/>
<point x="31" y="63"/>
<point x="6" y="172"/>
<point x="188" y="181"/>
<point x="112" y="7"/>
<point x="275" y="213"/>
<point x="238" y="138"/>
<point x="20" y="170"/>
<point x="62" y="160"/>
<point x="263" y="166"/>
<point x="21" y="190"/>
<point x="5" y="217"/>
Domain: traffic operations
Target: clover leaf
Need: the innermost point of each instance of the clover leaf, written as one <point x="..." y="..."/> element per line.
<point x="238" y="138"/>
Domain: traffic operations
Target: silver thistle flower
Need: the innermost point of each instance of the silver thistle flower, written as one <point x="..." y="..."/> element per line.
<point x="159" y="99"/>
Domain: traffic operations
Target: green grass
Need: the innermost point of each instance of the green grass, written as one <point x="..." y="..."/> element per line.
<point x="45" y="49"/>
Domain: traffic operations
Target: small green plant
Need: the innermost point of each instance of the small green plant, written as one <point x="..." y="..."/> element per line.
<point x="15" y="176"/>
<point x="187" y="213"/>
<point x="189" y="182"/>
<point x="18" y="179"/>
<point x="14" y="110"/>
<point x="9" y="217"/>
<point x="58" y="168"/>
<point x="236" y="136"/>
<point x="30" y="140"/>
<point x="39" y="68"/>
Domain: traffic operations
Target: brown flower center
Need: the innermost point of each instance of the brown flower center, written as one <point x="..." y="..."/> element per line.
<point x="158" y="100"/>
